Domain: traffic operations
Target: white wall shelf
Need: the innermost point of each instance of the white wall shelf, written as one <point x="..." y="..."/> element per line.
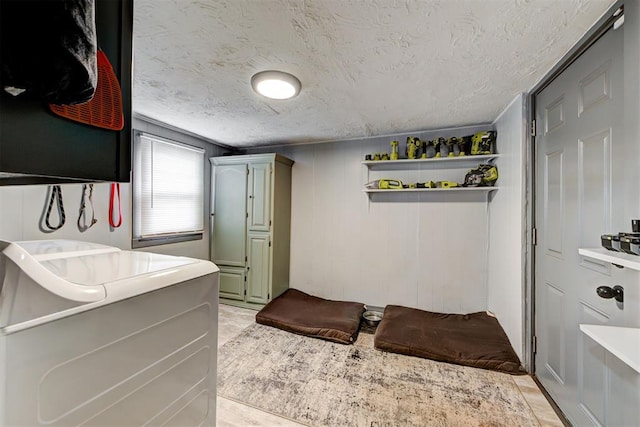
<point x="436" y="163"/>
<point x="416" y="190"/>
<point x="618" y="258"/>
<point x="450" y="160"/>
<point x="624" y="343"/>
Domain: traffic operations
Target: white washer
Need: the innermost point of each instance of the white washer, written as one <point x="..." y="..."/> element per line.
<point x="92" y="335"/>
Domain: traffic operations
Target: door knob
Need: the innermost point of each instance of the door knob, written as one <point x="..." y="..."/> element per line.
<point x="606" y="292"/>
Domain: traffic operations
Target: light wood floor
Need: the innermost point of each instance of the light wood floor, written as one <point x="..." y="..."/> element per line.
<point x="232" y="320"/>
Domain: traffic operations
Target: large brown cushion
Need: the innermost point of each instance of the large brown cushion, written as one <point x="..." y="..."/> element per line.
<point x="475" y="339"/>
<point x="301" y="313"/>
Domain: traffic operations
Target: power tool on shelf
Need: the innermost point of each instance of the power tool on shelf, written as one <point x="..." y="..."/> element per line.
<point x="428" y="149"/>
<point x="485" y="175"/>
<point x="441" y="147"/>
<point x="463" y="145"/>
<point x="446" y="184"/>
<point x="394" y="150"/>
<point x="384" y="184"/>
<point x="452" y="146"/>
<point x="413" y="144"/>
<point x="483" y="142"/>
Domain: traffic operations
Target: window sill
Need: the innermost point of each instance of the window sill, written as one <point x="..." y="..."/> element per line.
<point x="164" y="240"/>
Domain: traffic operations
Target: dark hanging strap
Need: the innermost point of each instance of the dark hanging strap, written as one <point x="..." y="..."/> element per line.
<point x="56" y="193"/>
<point x="82" y="218"/>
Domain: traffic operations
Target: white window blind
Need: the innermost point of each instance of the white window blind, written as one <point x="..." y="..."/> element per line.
<point x="168" y="188"/>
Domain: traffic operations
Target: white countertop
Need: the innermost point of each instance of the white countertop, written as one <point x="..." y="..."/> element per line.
<point x="620" y="258"/>
<point x="624" y="343"/>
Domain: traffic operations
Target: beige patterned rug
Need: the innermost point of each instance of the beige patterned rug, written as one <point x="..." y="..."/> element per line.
<point x="318" y="383"/>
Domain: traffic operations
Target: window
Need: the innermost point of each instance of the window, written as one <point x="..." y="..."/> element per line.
<point x="168" y="191"/>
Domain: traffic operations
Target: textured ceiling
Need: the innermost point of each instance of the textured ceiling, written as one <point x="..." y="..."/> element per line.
<point x="367" y="68"/>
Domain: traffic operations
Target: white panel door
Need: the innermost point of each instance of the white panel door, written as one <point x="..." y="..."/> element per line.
<point x="579" y="119"/>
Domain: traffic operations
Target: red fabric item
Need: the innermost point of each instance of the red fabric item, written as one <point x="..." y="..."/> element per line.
<point x="115" y="194"/>
<point x="104" y="110"/>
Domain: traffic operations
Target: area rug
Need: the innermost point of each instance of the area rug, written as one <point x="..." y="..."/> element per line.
<point x="320" y="383"/>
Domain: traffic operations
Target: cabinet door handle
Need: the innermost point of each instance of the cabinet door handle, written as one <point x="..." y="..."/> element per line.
<point x="248" y="268"/>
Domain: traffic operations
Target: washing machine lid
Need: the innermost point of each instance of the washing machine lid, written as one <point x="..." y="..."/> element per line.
<point x="90" y="272"/>
<point x="124" y="274"/>
<point x="59" y="248"/>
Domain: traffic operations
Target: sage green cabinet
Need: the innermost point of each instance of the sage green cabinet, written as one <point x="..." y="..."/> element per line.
<point x="259" y="197"/>
<point x="230" y="206"/>
<point x="232" y="281"/>
<point x="251" y="227"/>
<point x="258" y="268"/>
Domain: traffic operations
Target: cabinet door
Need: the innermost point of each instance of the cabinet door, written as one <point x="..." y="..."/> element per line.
<point x="258" y="268"/>
<point x="232" y="281"/>
<point x="229" y="215"/>
<point x="259" y="197"/>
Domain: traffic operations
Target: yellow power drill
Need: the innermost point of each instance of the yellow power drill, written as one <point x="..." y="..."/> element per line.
<point x="394" y="150"/>
<point x="412" y="147"/>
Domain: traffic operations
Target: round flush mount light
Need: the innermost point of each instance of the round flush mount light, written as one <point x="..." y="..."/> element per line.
<point x="276" y="84"/>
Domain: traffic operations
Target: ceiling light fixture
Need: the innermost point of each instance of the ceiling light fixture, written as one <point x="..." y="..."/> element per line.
<point x="276" y="84"/>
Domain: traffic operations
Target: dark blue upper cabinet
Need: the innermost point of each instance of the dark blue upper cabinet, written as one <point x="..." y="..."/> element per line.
<point x="39" y="147"/>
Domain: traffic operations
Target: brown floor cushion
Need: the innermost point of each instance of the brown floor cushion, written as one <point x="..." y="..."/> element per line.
<point x="474" y="339"/>
<point x="301" y="313"/>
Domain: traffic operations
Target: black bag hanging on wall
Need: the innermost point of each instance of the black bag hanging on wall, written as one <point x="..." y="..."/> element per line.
<point x="48" y="48"/>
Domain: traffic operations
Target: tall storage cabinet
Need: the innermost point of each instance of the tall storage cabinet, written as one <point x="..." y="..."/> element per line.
<point x="251" y="227"/>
